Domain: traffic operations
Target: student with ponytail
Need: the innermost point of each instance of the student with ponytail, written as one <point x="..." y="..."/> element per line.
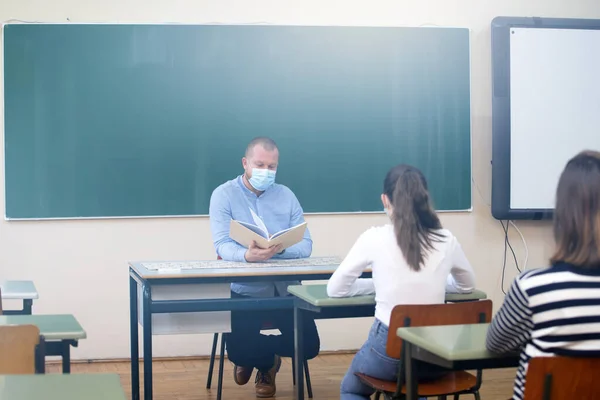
<point x="414" y="261"/>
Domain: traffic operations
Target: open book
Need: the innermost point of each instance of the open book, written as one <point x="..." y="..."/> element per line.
<point x="244" y="233"/>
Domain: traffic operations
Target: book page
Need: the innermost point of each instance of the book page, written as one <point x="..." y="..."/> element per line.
<point x="256" y="229"/>
<point x="245" y="234"/>
<point x="259" y="223"/>
<point x="287" y="230"/>
<point x="289" y="237"/>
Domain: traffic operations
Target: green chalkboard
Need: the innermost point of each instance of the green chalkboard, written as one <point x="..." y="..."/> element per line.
<point x="146" y="120"/>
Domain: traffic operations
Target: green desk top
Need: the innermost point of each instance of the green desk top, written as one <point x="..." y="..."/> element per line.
<point x="61" y="387"/>
<point x="53" y="327"/>
<point x="317" y="296"/>
<point x="18" y="290"/>
<point x="451" y="342"/>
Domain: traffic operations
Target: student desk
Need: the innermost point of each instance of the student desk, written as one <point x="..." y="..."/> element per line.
<point x="19" y="290"/>
<point x="210" y="273"/>
<point x="456" y="347"/>
<point x="314" y="298"/>
<point x="59" y="331"/>
<point x="61" y="387"/>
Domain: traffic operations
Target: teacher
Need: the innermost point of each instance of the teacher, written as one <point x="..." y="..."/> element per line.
<point x="279" y="209"/>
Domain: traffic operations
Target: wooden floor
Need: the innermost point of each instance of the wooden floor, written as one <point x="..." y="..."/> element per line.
<point x="186" y="379"/>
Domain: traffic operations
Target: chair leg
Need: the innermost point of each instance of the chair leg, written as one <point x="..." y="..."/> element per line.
<point x="476" y="394"/>
<point x="377" y="395"/>
<point x="293" y="372"/>
<point x="221" y="360"/>
<point x="308" y="384"/>
<point x="456" y="396"/>
<point x="211" y="365"/>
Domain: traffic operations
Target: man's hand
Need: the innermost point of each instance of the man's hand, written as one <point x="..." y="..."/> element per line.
<point x="255" y="253"/>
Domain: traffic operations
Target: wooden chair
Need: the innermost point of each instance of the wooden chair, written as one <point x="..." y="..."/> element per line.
<point x="266" y="326"/>
<point x="21" y="349"/>
<point x="562" y="378"/>
<point x="455" y="382"/>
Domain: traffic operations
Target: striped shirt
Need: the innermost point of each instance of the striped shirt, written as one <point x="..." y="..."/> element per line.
<point x="550" y="311"/>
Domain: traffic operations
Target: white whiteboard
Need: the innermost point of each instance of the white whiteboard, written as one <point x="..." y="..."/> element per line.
<point x="554" y="107"/>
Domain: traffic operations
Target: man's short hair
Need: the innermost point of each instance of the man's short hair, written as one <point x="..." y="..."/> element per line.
<point x="267" y="143"/>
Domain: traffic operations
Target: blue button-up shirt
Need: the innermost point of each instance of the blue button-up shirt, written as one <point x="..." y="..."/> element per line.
<point x="279" y="209"/>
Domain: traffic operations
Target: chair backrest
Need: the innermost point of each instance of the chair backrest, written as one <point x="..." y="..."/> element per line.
<point x="470" y="312"/>
<point x="18" y="349"/>
<point x="562" y="378"/>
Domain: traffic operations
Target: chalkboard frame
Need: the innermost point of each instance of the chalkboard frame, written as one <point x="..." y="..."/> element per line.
<point x="8" y="217"/>
<point x="501" y="118"/>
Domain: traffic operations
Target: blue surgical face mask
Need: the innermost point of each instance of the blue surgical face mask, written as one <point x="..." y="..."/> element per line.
<point x="262" y="178"/>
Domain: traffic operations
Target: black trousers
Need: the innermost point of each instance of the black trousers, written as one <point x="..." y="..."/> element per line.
<point x="248" y="347"/>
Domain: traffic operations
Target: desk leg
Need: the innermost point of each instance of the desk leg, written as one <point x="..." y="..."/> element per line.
<point x="61" y="348"/>
<point x="40" y="356"/>
<point x="134" y="339"/>
<point x="410" y="371"/>
<point x="27" y="305"/>
<point x="299" y="352"/>
<point x="66" y="356"/>
<point x="147" y="333"/>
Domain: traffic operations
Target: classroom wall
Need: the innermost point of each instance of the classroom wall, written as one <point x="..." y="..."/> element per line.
<point x="80" y="266"/>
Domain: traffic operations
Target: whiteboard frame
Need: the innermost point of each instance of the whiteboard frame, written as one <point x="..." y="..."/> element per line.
<point x="501" y="117"/>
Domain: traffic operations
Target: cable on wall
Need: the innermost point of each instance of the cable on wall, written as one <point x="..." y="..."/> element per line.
<point x="524" y="245"/>
<point x="507" y="244"/>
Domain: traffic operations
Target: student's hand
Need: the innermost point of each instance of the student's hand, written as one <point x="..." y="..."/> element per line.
<point x="255" y="253"/>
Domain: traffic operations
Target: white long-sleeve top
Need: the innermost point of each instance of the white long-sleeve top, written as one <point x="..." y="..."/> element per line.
<point x="446" y="269"/>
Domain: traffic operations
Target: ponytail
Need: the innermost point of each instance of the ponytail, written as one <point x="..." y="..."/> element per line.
<point x="415" y="222"/>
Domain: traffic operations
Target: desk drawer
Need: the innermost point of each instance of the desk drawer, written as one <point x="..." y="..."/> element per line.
<point x="191" y="322"/>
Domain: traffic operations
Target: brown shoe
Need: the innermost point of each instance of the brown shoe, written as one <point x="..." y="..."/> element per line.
<point x="265" y="382"/>
<point x="241" y="375"/>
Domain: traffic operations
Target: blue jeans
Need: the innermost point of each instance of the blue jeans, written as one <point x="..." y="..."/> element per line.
<point x="370" y="360"/>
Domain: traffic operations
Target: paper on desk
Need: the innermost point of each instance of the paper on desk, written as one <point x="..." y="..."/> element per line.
<point x="220" y="264"/>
